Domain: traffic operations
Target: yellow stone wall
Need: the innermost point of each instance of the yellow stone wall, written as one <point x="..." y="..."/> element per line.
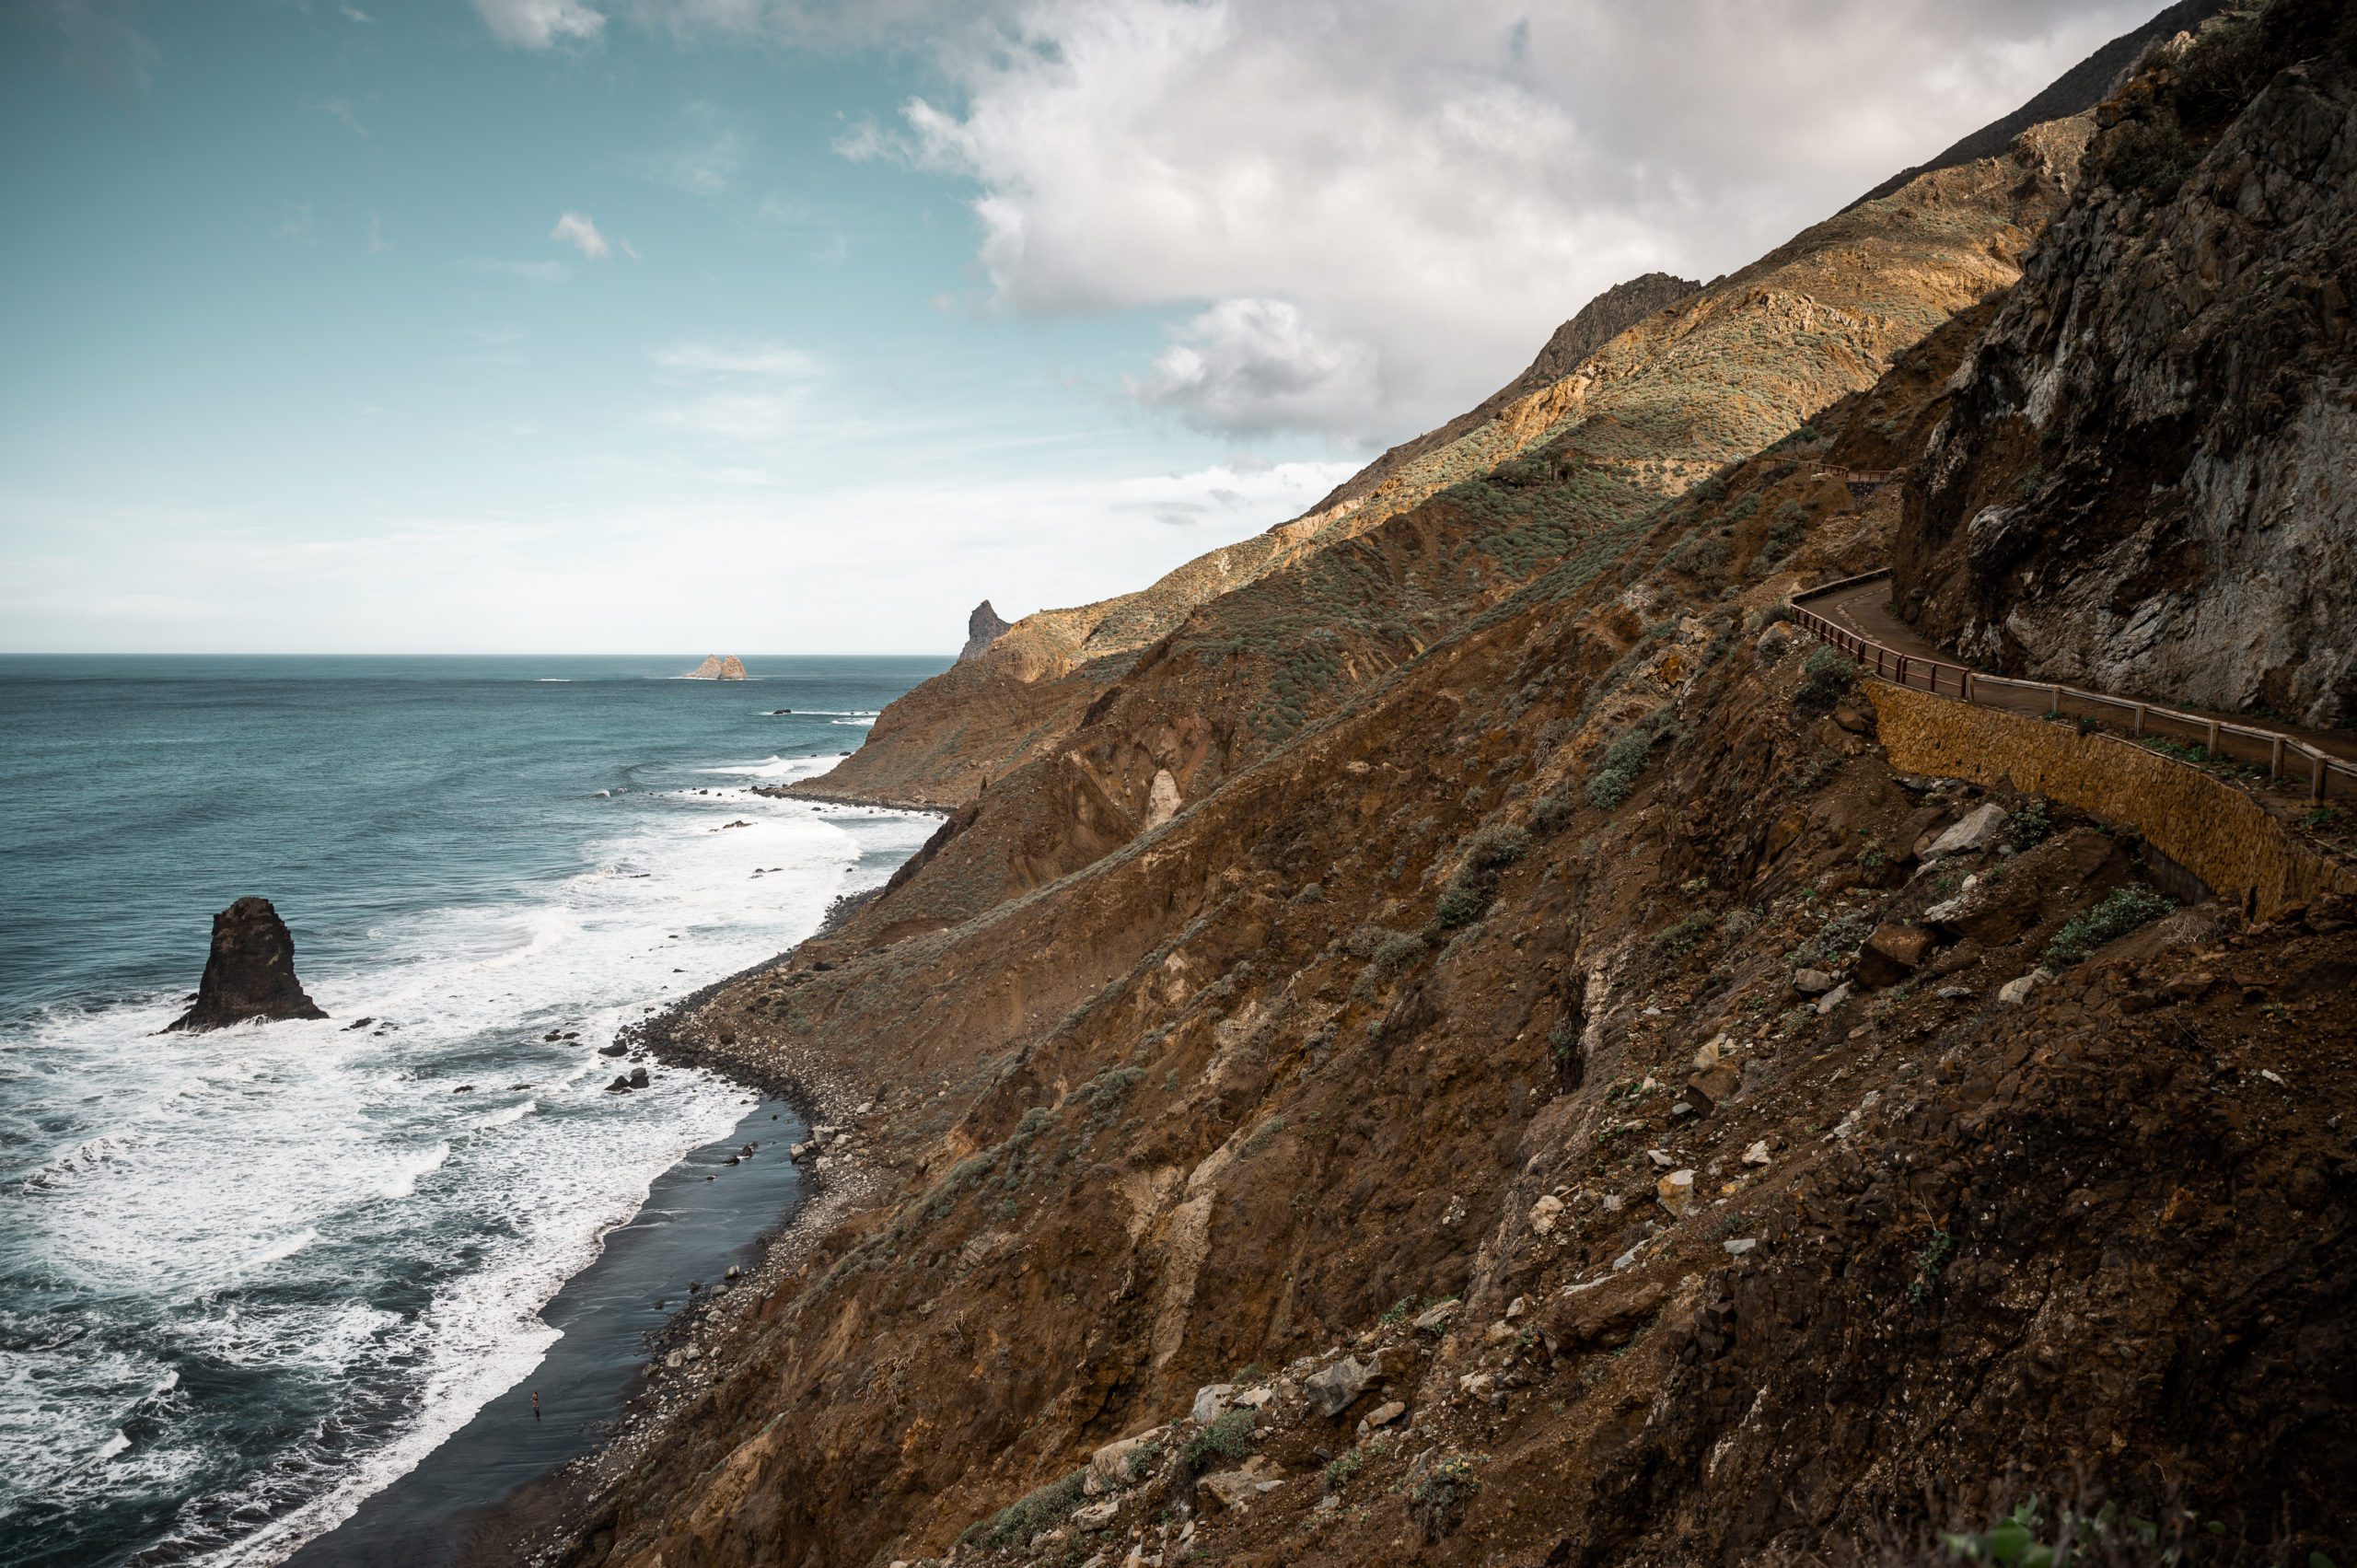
<point x="2218" y="832"/>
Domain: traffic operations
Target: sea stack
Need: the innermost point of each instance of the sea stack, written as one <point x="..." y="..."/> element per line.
<point x="251" y="971"/>
<point x="982" y="628"/>
<point x="717" y="668"/>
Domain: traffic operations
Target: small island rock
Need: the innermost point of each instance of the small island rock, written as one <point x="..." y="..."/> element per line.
<point x="717" y="668"/>
<point x="251" y="971"/>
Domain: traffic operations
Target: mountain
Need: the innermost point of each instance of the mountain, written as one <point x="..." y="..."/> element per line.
<point x="1479" y="1045"/>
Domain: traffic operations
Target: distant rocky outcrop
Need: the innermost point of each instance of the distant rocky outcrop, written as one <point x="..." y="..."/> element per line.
<point x="982" y="628"/>
<point x="251" y="971"/>
<point x="717" y="668"/>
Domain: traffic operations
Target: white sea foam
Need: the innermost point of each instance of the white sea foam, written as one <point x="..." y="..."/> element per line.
<point x="296" y="1155"/>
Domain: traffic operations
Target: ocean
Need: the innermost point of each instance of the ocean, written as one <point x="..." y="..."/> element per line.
<point x="250" y="1278"/>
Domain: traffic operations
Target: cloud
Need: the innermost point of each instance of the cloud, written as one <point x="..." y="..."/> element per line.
<point x="524" y="272"/>
<point x="105" y="46"/>
<point x="354" y="13"/>
<point x="753" y="394"/>
<point x="297" y="224"/>
<point x="576" y="231"/>
<point x="708" y="163"/>
<point x="540" y="24"/>
<point x="377" y="242"/>
<point x="343" y="111"/>
<point x="773" y="360"/>
<point x="1246" y="367"/>
<point x="1433" y="187"/>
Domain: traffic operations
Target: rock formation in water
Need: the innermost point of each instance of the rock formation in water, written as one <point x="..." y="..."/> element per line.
<point x="982" y="628"/>
<point x="251" y="971"/>
<point x="717" y="668"/>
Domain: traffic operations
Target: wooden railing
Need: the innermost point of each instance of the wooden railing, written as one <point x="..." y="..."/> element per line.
<point x="2219" y="738"/>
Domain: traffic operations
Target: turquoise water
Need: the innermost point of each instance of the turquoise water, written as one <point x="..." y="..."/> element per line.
<point x="248" y="1278"/>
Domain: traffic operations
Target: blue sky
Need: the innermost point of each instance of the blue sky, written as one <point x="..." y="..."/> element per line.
<point x="551" y="325"/>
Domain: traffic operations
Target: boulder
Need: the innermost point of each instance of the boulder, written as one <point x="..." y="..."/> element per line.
<point x="2014" y="993"/>
<point x="1891" y="954"/>
<point x="249" y="973"/>
<point x="1330" y="1392"/>
<point x="1233" y="1488"/>
<point x="1978" y="830"/>
<point x="638" y="1077"/>
<point x="1814" y="982"/>
<point x="1714" y="1086"/>
<point x="1111" y="1463"/>
<point x="1210" y="1400"/>
<point x="1676" y="1191"/>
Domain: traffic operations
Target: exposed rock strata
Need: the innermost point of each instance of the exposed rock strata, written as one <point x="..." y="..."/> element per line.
<point x="250" y="973"/>
<point x="2148" y="481"/>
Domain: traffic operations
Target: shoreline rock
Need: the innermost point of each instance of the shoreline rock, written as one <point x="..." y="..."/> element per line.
<point x="249" y="973"/>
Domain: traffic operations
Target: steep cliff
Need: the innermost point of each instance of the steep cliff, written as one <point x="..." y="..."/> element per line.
<point x="2146" y="483"/>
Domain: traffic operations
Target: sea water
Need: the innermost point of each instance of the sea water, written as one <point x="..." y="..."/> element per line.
<point x="250" y="1277"/>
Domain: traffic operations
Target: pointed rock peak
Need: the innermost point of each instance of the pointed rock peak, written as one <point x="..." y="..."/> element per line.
<point x="982" y="628"/>
<point x="717" y="668"/>
<point x="251" y="971"/>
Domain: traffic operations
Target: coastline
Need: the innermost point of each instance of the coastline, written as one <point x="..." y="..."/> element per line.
<point x="560" y="1506"/>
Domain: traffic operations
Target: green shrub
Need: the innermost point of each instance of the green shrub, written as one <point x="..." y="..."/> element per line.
<point x="1625" y="760"/>
<point x="1496" y="846"/>
<point x="1228" y="1437"/>
<point x="1680" y="937"/>
<point x="1564" y="1044"/>
<point x="2030" y="823"/>
<point x="1042" y="1509"/>
<point x="1550" y="812"/>
<point x="2121" y="912"/>
<point x="1826" y="677"/>
<point x="1340" y="1473"/>
<point x="1396" y="956"/>
<point x="1435" y="1501"/>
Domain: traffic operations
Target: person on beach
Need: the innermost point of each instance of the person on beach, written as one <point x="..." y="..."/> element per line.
<point x="535" y="1404"/>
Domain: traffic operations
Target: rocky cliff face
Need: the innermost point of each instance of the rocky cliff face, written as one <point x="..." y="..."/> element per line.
<point x="982" y="628"/>
<point x="250" y="973"/>
<point x="2146" y="483"/>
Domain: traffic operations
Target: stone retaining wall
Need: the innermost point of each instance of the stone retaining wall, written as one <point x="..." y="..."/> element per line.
<point x="2217" y="831"/>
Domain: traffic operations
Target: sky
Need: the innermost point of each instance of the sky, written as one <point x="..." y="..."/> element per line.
<point x="780" y="326"/>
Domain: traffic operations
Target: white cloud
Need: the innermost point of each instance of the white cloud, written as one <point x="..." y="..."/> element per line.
<point x="297" y="224"/>
<point x="1433" y="186"/>
<point x="523" y="271"/>
<point x="345" y="113"/>
<point x="708" y="162"/>
<point x="774" y="360"/>
<point x="540" y="24"/>
<point x="576" y="231"/>
<point x="355" y="14"/>
<point x="378" y="245"/>
<point x="1249" y="365"/>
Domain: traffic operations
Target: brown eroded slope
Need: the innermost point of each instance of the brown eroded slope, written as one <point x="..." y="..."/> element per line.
<point x="1497" y="991"/>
